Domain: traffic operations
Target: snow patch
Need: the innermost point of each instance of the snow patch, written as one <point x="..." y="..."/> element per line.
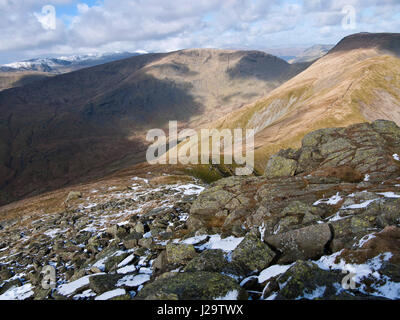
<point x="216" y="242"/>
<point x="231" y="295"/>
<point x="133" y="281"/>
<point x="18" y="293"/>
<point x="272" y="272"/>
<point x="334" y="200"/>
<point x="111" y="294"/>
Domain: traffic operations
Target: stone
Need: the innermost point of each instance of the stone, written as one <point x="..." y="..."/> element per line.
<point x="111" y="263"/>
<point x="145" y="243"/>
<point x="252" y="255"/>
<point x="5" y="274"/>
<point x="193" y="286"/>
<point x="161" y="261"/>
<point x="306" y="243"/>
<point x="73" y="195"/>
<point x="279" y="167"/>
<point x="139" y="228"/>
<point x="209" y="260"/>
<point x="180" y="253"/>
<point x="305" y="280"/>
<point x="104" y="282"/>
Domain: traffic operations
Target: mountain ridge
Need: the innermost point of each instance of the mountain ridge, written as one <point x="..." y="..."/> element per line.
<point x="95" y="119"/>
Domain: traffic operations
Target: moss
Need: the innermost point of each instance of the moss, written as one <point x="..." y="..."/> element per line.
<point x="193" y="286"/>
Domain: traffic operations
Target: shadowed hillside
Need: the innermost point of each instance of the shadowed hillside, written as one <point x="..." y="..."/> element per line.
<point x="87" y="123"/>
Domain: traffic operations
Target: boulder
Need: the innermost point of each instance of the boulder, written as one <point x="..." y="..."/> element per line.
<point x="73" y="195"/>
<point x="252" y="255"/>
<point x="193" y="286"/>
<point x="209" y="260"/>
<point x="180" y="253"/>
<point x="103" y="283"/>
<point x="306" y="243"/>
<point x="278" y="167"/>
<point x="306" y="281"/>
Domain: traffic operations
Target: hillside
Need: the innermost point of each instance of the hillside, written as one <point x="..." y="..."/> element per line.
<point x="90" y="122"/>
<point x="313" y="53"/>
<point x="11" y="79"/>
<point x="293" y="234"/>
<point x="357" y="81"/>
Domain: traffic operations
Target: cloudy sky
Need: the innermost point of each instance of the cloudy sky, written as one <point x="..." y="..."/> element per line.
<point x="28" y="30"/>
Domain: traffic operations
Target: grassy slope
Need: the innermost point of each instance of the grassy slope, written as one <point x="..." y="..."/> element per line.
<point x="335" y="92"/>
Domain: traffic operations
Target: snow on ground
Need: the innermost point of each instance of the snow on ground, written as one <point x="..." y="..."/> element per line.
<point x="111" y="294"/>
<point x="334" y="200"/>
<point x="140" y="179"/>
<point x="231" y="295"/>
<point x="133" y="281"/>
<point x="272" y="272"/>
<point x="18" y="293"/>
<point x="382" y="286"/>
<point x="364" y="240"/>
<point x="216" y="242"/>
<point x="390" y="195"/>
<point x="189" y="189"/>
<point x="194" y="240"/>
<point x="126" y="261"/>
<point x="336" y="217"/>
<point x="52" y="233"/>
<point x="396" y="157"/>
<point x="127" y="269"/>
<point x="362" y="205"/>
<point x="317" y="293"/>
<point x="84" y="295"/>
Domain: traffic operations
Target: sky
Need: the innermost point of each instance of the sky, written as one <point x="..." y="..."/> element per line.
<point x="38" y="28"/>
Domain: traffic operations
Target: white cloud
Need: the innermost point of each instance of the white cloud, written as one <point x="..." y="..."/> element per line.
<point x="161" y="25"/>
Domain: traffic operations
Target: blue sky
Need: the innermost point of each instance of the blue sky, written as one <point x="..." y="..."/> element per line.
<point x="88" y="26"/>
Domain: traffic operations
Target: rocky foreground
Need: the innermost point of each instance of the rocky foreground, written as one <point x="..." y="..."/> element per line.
<point x="323" y="223"/>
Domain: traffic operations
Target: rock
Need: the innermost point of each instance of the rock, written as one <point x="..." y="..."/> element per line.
<point x="305" y="280"/>
<point x="252" y="255"/>
<point x="146" y="242"/>
<point x="139" y="228"/>
<point x="10" y="284"/>
<point x="131" y="240"/>
<point x="180" y="253"/>
<point x="117" y="231"/>
<point x="103" y="283"/>
<point x="5" y="274"/>
<point x="278" y="167"/>
<point x="209" y="260"/>
<point x="111" y="263"/>
<point x="376" y="216"/>
<point x="157" y="212"/>
<point x="73" y="195"/>
<point x="374" y="244"/>
<point x="161" y="261"/>
<point x="212" y="201"/>
<point x="306" y="243"/>
<point x="42" y="294"/>
<point x="193" y="286"/>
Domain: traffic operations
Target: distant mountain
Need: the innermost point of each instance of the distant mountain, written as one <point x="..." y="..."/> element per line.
<point x="312" y="54"/>
<point x="84" y="124"/>
<point x="66" y="63"/>
<point x="357" y="81"/>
